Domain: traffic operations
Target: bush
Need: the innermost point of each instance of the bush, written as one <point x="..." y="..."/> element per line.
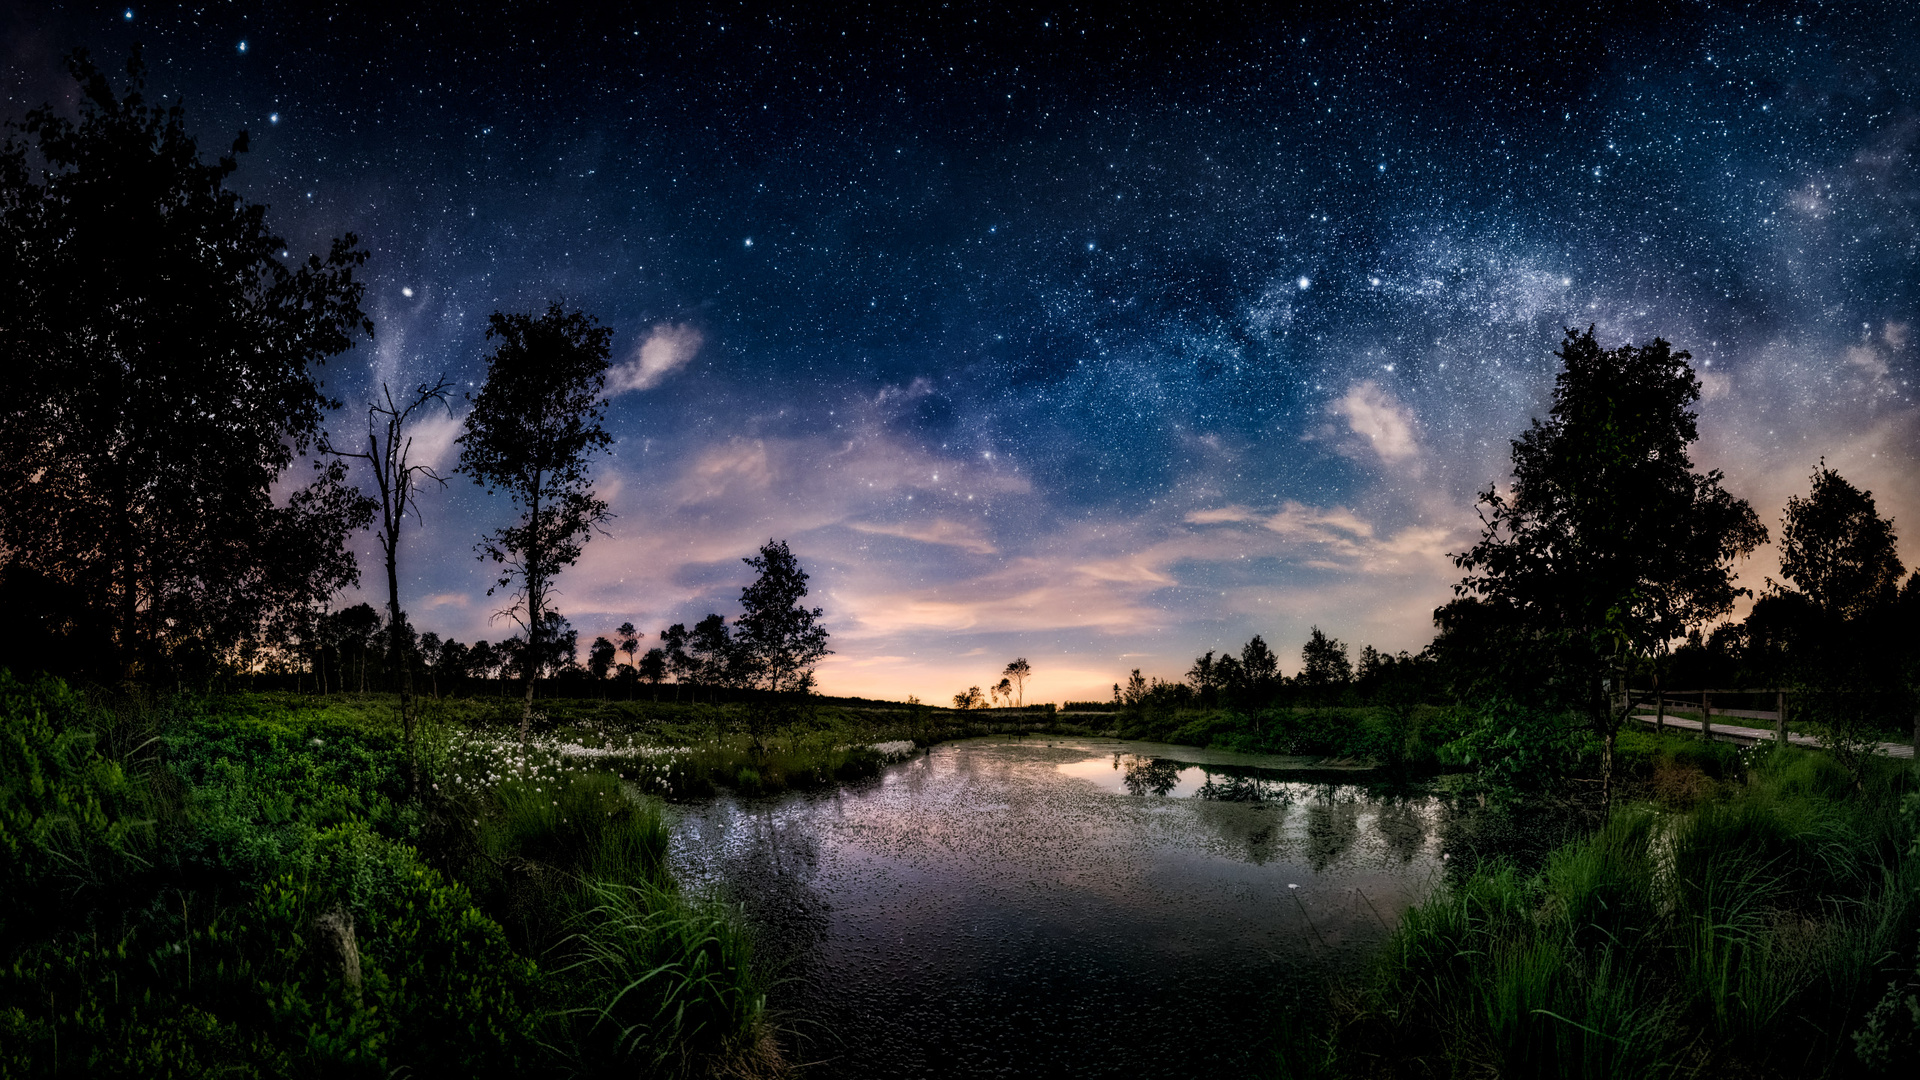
<point x="1753" y="934"/>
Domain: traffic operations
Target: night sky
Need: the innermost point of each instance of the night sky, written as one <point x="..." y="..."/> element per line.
<point x="1094" y="337"/>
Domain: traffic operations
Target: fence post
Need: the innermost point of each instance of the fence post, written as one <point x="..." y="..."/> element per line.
<point x="1780" y="716"/>
<point x="1706" y="716"/>
<point x="1659" y="707"/>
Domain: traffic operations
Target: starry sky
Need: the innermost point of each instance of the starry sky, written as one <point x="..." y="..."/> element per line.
<point x="1099" y="335"/>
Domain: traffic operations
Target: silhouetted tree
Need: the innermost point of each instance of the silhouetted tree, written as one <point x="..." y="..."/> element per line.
<point x="1260" y="669"/>
<point x="1837" y="549"/>
<point x="1323" y="665"/>
<point x="533" y="428"/>
<point x="1202" y="677"/>
<point x="356" y="629"/>
<point x="673" y="646"/>
<point x="653" y="668"/>
<point x="1842" y="558"/>
<point x="1003" y="692"/>
<point x="396" y="476"/>
<point x="430" y="646"/>
<point x="712" y="650"/>
<point x="780" y="639"/>
<point x="559" y="644"/>
<point x="451" y="665"/>
<point x="157" y="377"/>
<point x="482" y="660"/>
<point x="627" y="640"/>
<point x="1018" y="670"/>
<point x="1610" y="546"/>
<point x="600" y="659"/>
<point x="970" y="698"/>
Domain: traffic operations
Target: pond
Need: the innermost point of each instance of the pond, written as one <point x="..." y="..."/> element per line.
<point x="1061" y="906"/>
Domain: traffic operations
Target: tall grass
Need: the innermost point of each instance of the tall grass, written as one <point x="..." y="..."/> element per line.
<point x="1750" y="935"/>
<point x="644" y="977"/>
<point x="670" y="982"/>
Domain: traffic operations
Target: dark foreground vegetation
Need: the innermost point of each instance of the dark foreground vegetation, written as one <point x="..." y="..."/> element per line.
<point x="1761" y="923"/>
<point x="243" y="886"/>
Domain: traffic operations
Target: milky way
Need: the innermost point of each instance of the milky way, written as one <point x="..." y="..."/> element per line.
<point x="1094" y="338"/>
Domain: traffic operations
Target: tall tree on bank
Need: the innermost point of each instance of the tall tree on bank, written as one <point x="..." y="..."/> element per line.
<point x="1609" y="545"/>
<point x="533" y="428"/>
<point x="157" y="377"/>
<point x="396" y="477"/>
<point x="777" y="640"/>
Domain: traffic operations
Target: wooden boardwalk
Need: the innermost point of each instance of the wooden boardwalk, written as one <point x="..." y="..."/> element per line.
<point x="1747" y="736"/>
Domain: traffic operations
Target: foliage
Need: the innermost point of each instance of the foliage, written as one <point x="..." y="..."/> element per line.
<point x="158" y="383"/>
<point x="778" y="639"/>
<point x="185" y="916"/>
<point x="1518" y="752"/>
<point x="1746" y="936"/>
<point x="532" y="429"/>
<point x="1837" y="549"/>
<point x="1609" y="544"/>
<point x="1323" y="664"/>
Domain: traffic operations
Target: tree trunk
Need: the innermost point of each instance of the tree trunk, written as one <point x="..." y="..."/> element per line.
<point x="1606" y="776"/>
<point x="397" y="655"/>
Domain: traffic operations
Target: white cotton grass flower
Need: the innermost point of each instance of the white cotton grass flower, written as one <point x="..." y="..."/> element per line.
<point x="894" y="750"/>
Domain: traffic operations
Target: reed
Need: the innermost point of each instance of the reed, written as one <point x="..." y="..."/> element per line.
<point x="1752" y="934"/>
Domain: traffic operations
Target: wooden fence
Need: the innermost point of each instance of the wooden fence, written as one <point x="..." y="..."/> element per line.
<point x="1778" y="714"/>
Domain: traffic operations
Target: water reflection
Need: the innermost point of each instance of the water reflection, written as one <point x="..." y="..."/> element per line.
<point x="1022" y="907"/>
<point x="1148" y="776"/>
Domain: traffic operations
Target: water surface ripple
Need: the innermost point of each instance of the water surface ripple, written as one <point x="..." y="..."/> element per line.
<point x="1009" y="906"/>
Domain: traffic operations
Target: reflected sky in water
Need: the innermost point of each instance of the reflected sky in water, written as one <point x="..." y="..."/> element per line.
<point x="1004" y="906"/>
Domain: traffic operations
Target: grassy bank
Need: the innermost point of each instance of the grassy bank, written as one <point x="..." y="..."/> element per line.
<point x="684" y="750"/>
<point x="245" y="886"/>
<point x="1751" y="915"/>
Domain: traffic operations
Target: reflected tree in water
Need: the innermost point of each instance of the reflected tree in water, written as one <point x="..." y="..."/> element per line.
<point x="1333" y="824"/>
<point x="1151" y="776"/>
<point x="1400" y="825"/>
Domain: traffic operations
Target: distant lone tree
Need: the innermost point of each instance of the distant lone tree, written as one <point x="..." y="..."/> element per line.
<point x="1609" y="546"/>
<point x="600" y="659"/>
<point x="156" y="380"/>
<point x="779" y="639"/>
<point x="1018" y="670"/>
<point x="533" y="428"/>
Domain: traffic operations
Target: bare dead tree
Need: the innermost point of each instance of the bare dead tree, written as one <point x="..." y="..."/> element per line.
<point x="396" y="476"/>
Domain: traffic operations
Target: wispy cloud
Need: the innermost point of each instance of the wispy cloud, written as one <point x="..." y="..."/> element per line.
<point x="1380" y="424"/>
<point x="666" y="349"/>
<point x="938" y="531"/>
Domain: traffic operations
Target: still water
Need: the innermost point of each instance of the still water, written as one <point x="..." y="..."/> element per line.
<point x="1037" y="907"/>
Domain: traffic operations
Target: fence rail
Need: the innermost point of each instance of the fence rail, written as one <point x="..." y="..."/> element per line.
<point x="1778" y="714"/>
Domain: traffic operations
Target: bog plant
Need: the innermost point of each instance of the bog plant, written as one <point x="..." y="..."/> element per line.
<point x="1756" y="934"/>
<point x="233" y="886"/>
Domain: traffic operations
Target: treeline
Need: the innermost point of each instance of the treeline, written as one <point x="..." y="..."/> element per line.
<point x="1251" y="680"/>
<point x="352" y="651"/>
